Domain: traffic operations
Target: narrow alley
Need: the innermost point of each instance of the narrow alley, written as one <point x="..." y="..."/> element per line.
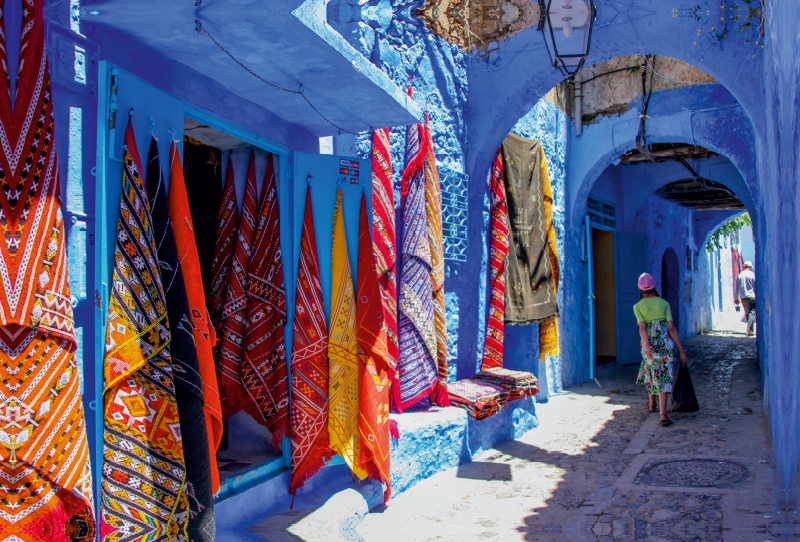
<point x="387" y="270"/>
<point x="600" y="467"/>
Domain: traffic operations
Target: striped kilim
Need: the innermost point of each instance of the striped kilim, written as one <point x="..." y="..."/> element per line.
<point x="418" y="354"/>
<point x="233" y="395"/>
<point x="144" y="478"/>
<point x="45" y="476"/>
<point x="480" y="398"/>
<point x="548" y="330"/>
<point x="228" y="222"/>
<point x="433" y="210"/>
<point x="385" y="246"/>
<point x="518" y="384"/>
<point x="186" y="367"/>
<point x="373" y="366"/>
<point x="498" y="250"/>
<point x="202" y="330"/>
<point x="309" y="408"/>
<point x="264" y="373"/>
<point x="343" y="352"/>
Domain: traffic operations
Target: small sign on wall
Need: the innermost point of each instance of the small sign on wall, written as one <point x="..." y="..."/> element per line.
<point x="349" y="171"/>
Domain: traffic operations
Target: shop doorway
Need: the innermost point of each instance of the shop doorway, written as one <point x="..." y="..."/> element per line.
<point x="605" y="335"/>
<point x="670" y="283"/>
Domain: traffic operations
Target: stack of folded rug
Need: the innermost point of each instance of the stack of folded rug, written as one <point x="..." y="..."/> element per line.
<point x="517" y="384"/>
<point x="480" y="398"/>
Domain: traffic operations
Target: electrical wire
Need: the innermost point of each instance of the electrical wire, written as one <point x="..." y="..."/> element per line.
<point x="200" y="28"/>
<point x="599" y="75"/>
<point x="641" y="135"/>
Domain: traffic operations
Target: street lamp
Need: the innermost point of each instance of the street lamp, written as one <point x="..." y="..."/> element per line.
<point x="567" y="30"/>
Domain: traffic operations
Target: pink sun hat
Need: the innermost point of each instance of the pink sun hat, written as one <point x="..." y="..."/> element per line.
<point x="647" y="282"/>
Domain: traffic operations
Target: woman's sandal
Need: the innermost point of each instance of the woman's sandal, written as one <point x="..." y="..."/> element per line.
<point x="666" y="423"/>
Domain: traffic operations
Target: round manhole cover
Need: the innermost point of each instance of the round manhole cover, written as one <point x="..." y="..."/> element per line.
<point x="696" y="472"/>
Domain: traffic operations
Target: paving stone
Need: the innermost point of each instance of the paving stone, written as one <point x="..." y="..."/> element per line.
<point x="573" y="478"/>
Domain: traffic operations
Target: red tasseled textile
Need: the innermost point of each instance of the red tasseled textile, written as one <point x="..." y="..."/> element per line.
<point x="495" y="325"/>
<point x="373" y="367"/>
<point x="234" y="396"/>
<point x="263" y="368"/>
<point x="384" y="243"/>
<point x="309" y="409"/>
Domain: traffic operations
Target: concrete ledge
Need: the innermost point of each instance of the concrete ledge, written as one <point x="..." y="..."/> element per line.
<point x="430" y="442"/>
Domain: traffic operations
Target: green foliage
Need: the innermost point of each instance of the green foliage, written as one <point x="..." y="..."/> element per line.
<point x="732" y="225"/>
<point x="726" y="18"/>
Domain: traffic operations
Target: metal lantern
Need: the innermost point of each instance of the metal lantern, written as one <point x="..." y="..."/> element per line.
<point x="567" y="30"/>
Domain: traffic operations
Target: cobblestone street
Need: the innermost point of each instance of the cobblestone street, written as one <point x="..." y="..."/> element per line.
<point x="601" y="467"/>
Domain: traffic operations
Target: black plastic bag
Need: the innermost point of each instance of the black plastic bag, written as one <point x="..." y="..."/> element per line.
<point x="683" y="397"/>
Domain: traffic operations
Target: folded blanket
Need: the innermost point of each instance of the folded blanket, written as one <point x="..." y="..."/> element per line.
<point x="517" y="384"/>
<point x="481" y="399"/>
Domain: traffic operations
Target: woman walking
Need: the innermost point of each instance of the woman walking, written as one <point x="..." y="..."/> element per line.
<point x="659" y="342"/>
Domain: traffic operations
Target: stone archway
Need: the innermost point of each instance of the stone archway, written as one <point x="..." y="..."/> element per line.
<point x="598" y="148"/>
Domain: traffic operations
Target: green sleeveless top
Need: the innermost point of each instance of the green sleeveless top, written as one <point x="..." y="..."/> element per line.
<point x="650" y="309"/>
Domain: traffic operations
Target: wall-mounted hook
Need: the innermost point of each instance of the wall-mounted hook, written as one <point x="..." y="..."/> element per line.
<point x="130" y="112"/>
<point x="308" y="180"/>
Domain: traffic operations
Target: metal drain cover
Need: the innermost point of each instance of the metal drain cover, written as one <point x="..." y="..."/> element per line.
<point x="691" y="473"/>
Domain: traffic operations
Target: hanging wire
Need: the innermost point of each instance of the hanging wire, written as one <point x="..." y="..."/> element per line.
<point x="200" y="28"/>
<point x="641" y="136"/>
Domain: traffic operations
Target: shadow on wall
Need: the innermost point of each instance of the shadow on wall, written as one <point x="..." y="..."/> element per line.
<point x="670" y="283"/>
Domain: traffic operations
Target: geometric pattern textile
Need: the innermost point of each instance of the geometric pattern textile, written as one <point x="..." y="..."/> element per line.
<point x="144" y="478"/>
<point x="263" y="367"/>
<point x="343" y="352"/>
<point x="548" y="338"/>
<point x="45" y="474"/>
<point x="384" y="241"/>
<point x="548" y="329"/>
<point x="309" y="407"/>
<point x="530" y="291"/>
<point x="228" y="222"/>
<point x="518" y="384"/>
<point x="33" y="266"/>
<point x="233" y="395"/>
<point x="418" y="345"/>
<point x="185" y="365"/>
<point x="198" y="323"/>
<point x="373" y="367"/>
<point x="480" y="398"/>
<point x="550" y="227"/>
<point x="498" y="250"/>
<point x="433" y="209"/>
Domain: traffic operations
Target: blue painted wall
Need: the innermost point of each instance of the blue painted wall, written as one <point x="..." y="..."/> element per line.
<point x="475" y="100"/>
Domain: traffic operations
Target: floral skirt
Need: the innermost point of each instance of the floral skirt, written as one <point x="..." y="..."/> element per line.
<point x="658" y="374"/>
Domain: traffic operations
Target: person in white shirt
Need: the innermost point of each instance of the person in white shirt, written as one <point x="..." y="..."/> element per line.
<point x="746" y="295"/>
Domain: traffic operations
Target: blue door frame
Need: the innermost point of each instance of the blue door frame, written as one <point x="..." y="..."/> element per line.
<point x="108" y="151"/>
<point x="591" y="225"/>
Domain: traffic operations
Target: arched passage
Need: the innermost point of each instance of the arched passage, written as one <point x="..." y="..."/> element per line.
<point x="722" y="126"/>
<point x="601" y="146"/>
<point x="670" y="287"/>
